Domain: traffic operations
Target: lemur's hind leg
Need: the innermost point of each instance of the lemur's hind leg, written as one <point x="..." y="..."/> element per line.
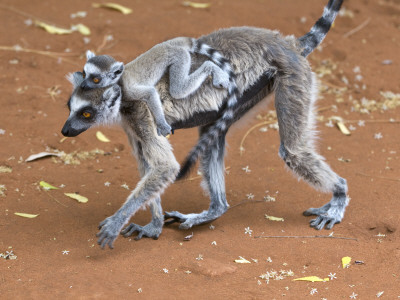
<point x="294" y="101"/>
<point x="213" y="170"/>
<point x="182" y="84"/>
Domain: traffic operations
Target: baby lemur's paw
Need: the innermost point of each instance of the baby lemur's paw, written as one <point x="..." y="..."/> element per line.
<point x="163" y="129"/>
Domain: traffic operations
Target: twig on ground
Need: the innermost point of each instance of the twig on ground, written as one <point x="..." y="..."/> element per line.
<point x="373" y="121"/>
<point x="358" y="28"/>
<point x="303" y="237"/>
<point x="55" y="199"/>
<point x="104" y="44"/>
<point x="48" y="53"/>
<point x="22" y="13"/>
<point x="56" y="55"/>
<point x="380" y="177"/>
<point x="250" y="130"/>
<point x="246" y="201"/>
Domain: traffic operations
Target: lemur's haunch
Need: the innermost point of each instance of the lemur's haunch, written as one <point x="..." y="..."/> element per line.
<point x="263" y="61"/>
<point x="172" y="56"/>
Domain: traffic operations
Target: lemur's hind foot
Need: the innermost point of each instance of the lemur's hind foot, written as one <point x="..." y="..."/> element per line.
<point x="189" y="220"/>
<point x="332" y="212"/>
<point x="151" y="230"/>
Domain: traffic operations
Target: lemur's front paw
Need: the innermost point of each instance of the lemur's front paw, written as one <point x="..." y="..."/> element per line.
<point x="109" y="231"/>
<point x="150" y="230"/>
<point x="163" y="129"/>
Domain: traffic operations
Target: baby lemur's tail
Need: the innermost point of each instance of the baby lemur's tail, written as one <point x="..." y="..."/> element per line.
<point x="222" y="124"/>
<point x="307" y="43"/>
<point x="315" y="36"/>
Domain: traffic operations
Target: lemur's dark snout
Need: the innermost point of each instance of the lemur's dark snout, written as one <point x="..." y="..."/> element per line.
<point x="68" y="131"/>
<point x="84" y="85"/>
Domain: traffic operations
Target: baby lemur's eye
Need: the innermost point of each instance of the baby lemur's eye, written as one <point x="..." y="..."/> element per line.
<point x="96" y="80"/>
<point x="84" y="74"/>
<point x="86" y="114"/>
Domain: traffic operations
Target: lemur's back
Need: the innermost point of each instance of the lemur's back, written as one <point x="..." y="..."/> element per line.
<point x="248" y="50"/>
<point x="152" y="63"/>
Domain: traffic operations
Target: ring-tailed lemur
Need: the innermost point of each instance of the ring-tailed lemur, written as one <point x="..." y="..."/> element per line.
<point x="263" y="62"/>
<point x="173" y="56"/>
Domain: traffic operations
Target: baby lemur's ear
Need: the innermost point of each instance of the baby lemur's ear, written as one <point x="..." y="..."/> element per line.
<point x="116" y="70"/>
<point x="75" y="78"/>
<point x="89" y="55"/>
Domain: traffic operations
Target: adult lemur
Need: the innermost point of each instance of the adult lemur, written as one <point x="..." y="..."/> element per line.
<point x="263" y="61"/>
<point x="144" y="72"/>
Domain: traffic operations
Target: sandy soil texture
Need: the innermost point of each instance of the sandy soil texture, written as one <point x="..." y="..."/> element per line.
<point x="55" y="255"/>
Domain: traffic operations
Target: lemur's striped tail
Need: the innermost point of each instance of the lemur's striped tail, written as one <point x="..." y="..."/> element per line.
<point x="315" y="36"/>
<point x="222" y="124"/>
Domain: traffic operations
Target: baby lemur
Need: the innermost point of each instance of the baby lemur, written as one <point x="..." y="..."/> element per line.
<point x="147" y="70"/>
<point x="263" y="61"/>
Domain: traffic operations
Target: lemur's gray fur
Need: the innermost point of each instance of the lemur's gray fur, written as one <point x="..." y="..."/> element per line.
<point x="263" y="61"/>
<point x="144" y="72"/>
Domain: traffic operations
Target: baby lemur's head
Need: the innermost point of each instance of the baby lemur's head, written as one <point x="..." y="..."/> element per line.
<point x="100" y="71"/>
<point x="89" y="107"/>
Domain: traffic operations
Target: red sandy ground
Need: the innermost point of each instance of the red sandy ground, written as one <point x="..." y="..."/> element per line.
<point x="32" y="121"/>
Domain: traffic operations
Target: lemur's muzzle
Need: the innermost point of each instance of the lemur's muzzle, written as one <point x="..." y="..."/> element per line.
<point x="84" y="85"/>
<point x="69" y="131"/>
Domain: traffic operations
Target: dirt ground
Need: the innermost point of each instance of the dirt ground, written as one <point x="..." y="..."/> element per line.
<point x="55" y="255"/>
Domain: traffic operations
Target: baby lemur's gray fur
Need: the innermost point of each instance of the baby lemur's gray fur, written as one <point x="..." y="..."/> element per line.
<point x="144" y="72"/>
<point x="263" y="61"/>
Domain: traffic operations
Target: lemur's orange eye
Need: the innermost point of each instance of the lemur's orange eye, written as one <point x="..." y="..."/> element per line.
<point x="84" y="75"/>
<point x="86" y="114"/>
<point x="96" y="80"/>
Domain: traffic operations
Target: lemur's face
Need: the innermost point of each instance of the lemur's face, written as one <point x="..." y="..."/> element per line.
<point x="101" y="71"/>
<point x="93" y="78"/>
<point x="90" y="107"/>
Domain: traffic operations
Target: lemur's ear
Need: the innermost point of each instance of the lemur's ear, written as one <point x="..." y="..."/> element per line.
<point x="89" y="55"/>
<point x="116" y="70"/>
<point x="111" y="95"/>
<point x="75" y="78"/>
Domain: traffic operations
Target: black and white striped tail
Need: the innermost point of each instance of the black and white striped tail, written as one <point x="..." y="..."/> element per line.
<point x="213" y="55"/>
<point x="315" y="36"/>
<point x="222" y="124"/>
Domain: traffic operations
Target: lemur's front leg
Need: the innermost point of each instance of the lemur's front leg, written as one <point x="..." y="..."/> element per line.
<point x="162" y="170"/>
<point x="154" y="228"/>
<point x="212" y="166"/>
<point x="150" y="96"/>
